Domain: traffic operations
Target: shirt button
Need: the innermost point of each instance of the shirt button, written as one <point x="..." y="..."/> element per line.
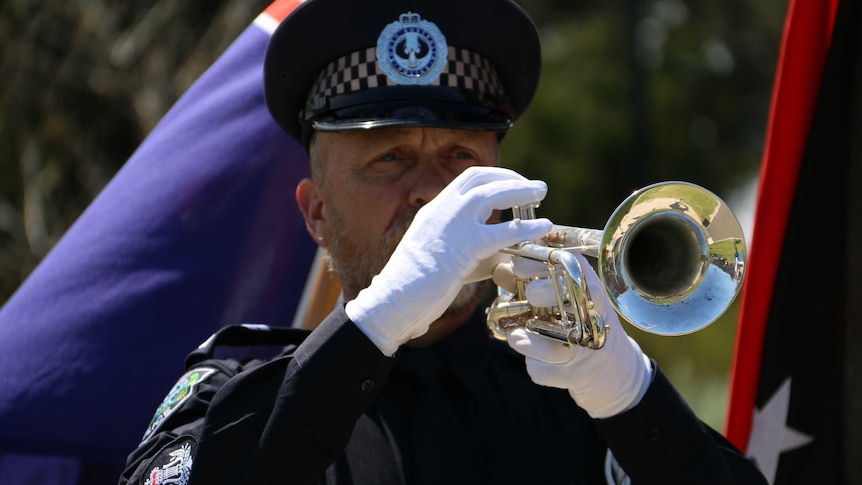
<point x="654" y="435"/>
<point x="367" y="386"/>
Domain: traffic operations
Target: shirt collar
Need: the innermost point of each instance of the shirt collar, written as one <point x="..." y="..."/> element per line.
<point x="467" y="352"/>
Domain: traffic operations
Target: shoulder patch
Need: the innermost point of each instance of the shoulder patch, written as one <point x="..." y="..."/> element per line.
<point x="173" y="464"/>
<point x="182" y="390"/>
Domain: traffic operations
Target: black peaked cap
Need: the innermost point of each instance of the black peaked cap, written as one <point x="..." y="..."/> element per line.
<point x="319" y="32"/>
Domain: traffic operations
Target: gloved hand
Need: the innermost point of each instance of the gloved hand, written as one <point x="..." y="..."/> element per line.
<point x="440" y="250"/>
<point x="604" y="382"/>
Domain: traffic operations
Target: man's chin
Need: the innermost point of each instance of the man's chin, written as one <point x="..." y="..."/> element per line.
<point x="458" y="313"/>
<point x="466" y="299"/>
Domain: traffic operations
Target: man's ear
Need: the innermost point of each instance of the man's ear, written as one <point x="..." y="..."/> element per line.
<point x="310" y="202"/>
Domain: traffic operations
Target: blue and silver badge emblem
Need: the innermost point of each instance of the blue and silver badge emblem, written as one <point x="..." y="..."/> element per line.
<point x="412" y="50"/>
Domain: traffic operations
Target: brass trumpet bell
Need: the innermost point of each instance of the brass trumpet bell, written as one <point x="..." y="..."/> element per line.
<point x="671" y="259"/>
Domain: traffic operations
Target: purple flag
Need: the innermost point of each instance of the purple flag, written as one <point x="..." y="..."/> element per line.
<point x="198" y="230"/>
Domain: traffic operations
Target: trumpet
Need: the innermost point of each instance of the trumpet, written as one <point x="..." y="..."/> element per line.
<point x="671" y="259"/>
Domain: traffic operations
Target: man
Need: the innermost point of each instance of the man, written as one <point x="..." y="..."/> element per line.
<point x="401" y="104"/>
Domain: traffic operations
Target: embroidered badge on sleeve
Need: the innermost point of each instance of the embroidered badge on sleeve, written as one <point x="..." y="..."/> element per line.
<point x="182" y="390"/>
<point x="173" y="465"/>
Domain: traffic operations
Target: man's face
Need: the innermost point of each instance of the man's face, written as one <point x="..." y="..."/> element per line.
<point x="373" y="182"/>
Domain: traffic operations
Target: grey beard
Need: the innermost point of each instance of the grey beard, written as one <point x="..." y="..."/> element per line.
<point x="357" y="266"/>
<point x="467" y="298"/>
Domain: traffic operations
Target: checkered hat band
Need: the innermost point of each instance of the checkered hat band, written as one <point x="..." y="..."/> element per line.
<point x="358" y="72"/>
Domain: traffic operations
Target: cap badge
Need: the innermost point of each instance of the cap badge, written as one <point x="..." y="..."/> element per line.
<point x="412" y="51"/>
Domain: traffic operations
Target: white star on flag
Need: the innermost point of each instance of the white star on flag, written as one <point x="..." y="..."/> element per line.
<point x="770" y="435"/>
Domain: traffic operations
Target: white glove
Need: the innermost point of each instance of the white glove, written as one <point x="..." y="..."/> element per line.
<point x="440" y="250"/>
<point x="604" y="382"/>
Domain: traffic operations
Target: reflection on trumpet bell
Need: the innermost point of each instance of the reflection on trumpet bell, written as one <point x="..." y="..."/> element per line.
<point x="671" y="259"/>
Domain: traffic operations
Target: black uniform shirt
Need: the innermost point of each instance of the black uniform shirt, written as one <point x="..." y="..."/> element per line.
<point x="461" y="411"/>
<point x="465" y="411"/>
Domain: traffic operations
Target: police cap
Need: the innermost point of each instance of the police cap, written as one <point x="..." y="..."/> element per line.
<point x="336" y="65"/>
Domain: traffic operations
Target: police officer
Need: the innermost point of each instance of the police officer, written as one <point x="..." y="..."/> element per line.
<point x="401" y="104"/>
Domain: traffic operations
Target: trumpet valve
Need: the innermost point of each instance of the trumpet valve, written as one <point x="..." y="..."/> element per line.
<point x="505" y="314"/>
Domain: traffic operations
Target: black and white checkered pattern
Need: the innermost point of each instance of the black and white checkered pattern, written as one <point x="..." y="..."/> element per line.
<point x="358" y="71"/>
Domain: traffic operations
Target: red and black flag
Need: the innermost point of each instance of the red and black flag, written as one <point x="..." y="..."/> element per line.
<point x="794" y="402"/>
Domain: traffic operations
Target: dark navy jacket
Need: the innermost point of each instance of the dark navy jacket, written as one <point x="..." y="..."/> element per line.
<point x="462" y="411"/>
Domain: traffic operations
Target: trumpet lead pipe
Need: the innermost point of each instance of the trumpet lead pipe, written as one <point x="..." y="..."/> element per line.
<point x="586" y="241"/>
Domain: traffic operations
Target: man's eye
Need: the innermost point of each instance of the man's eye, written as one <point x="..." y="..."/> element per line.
<point x="389" y="157"/>
<point x="462" y="155"/>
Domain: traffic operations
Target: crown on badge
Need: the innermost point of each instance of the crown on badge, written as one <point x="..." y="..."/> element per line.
<point x="410" y="18"/>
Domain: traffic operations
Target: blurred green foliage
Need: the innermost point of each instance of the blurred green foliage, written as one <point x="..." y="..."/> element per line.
<point x="633" y="92"/>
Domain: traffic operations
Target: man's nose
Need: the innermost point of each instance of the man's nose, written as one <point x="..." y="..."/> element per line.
<point x="428" y="182"/>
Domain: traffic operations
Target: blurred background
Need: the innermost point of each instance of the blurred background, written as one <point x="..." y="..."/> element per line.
<point x="633" y="92"/>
